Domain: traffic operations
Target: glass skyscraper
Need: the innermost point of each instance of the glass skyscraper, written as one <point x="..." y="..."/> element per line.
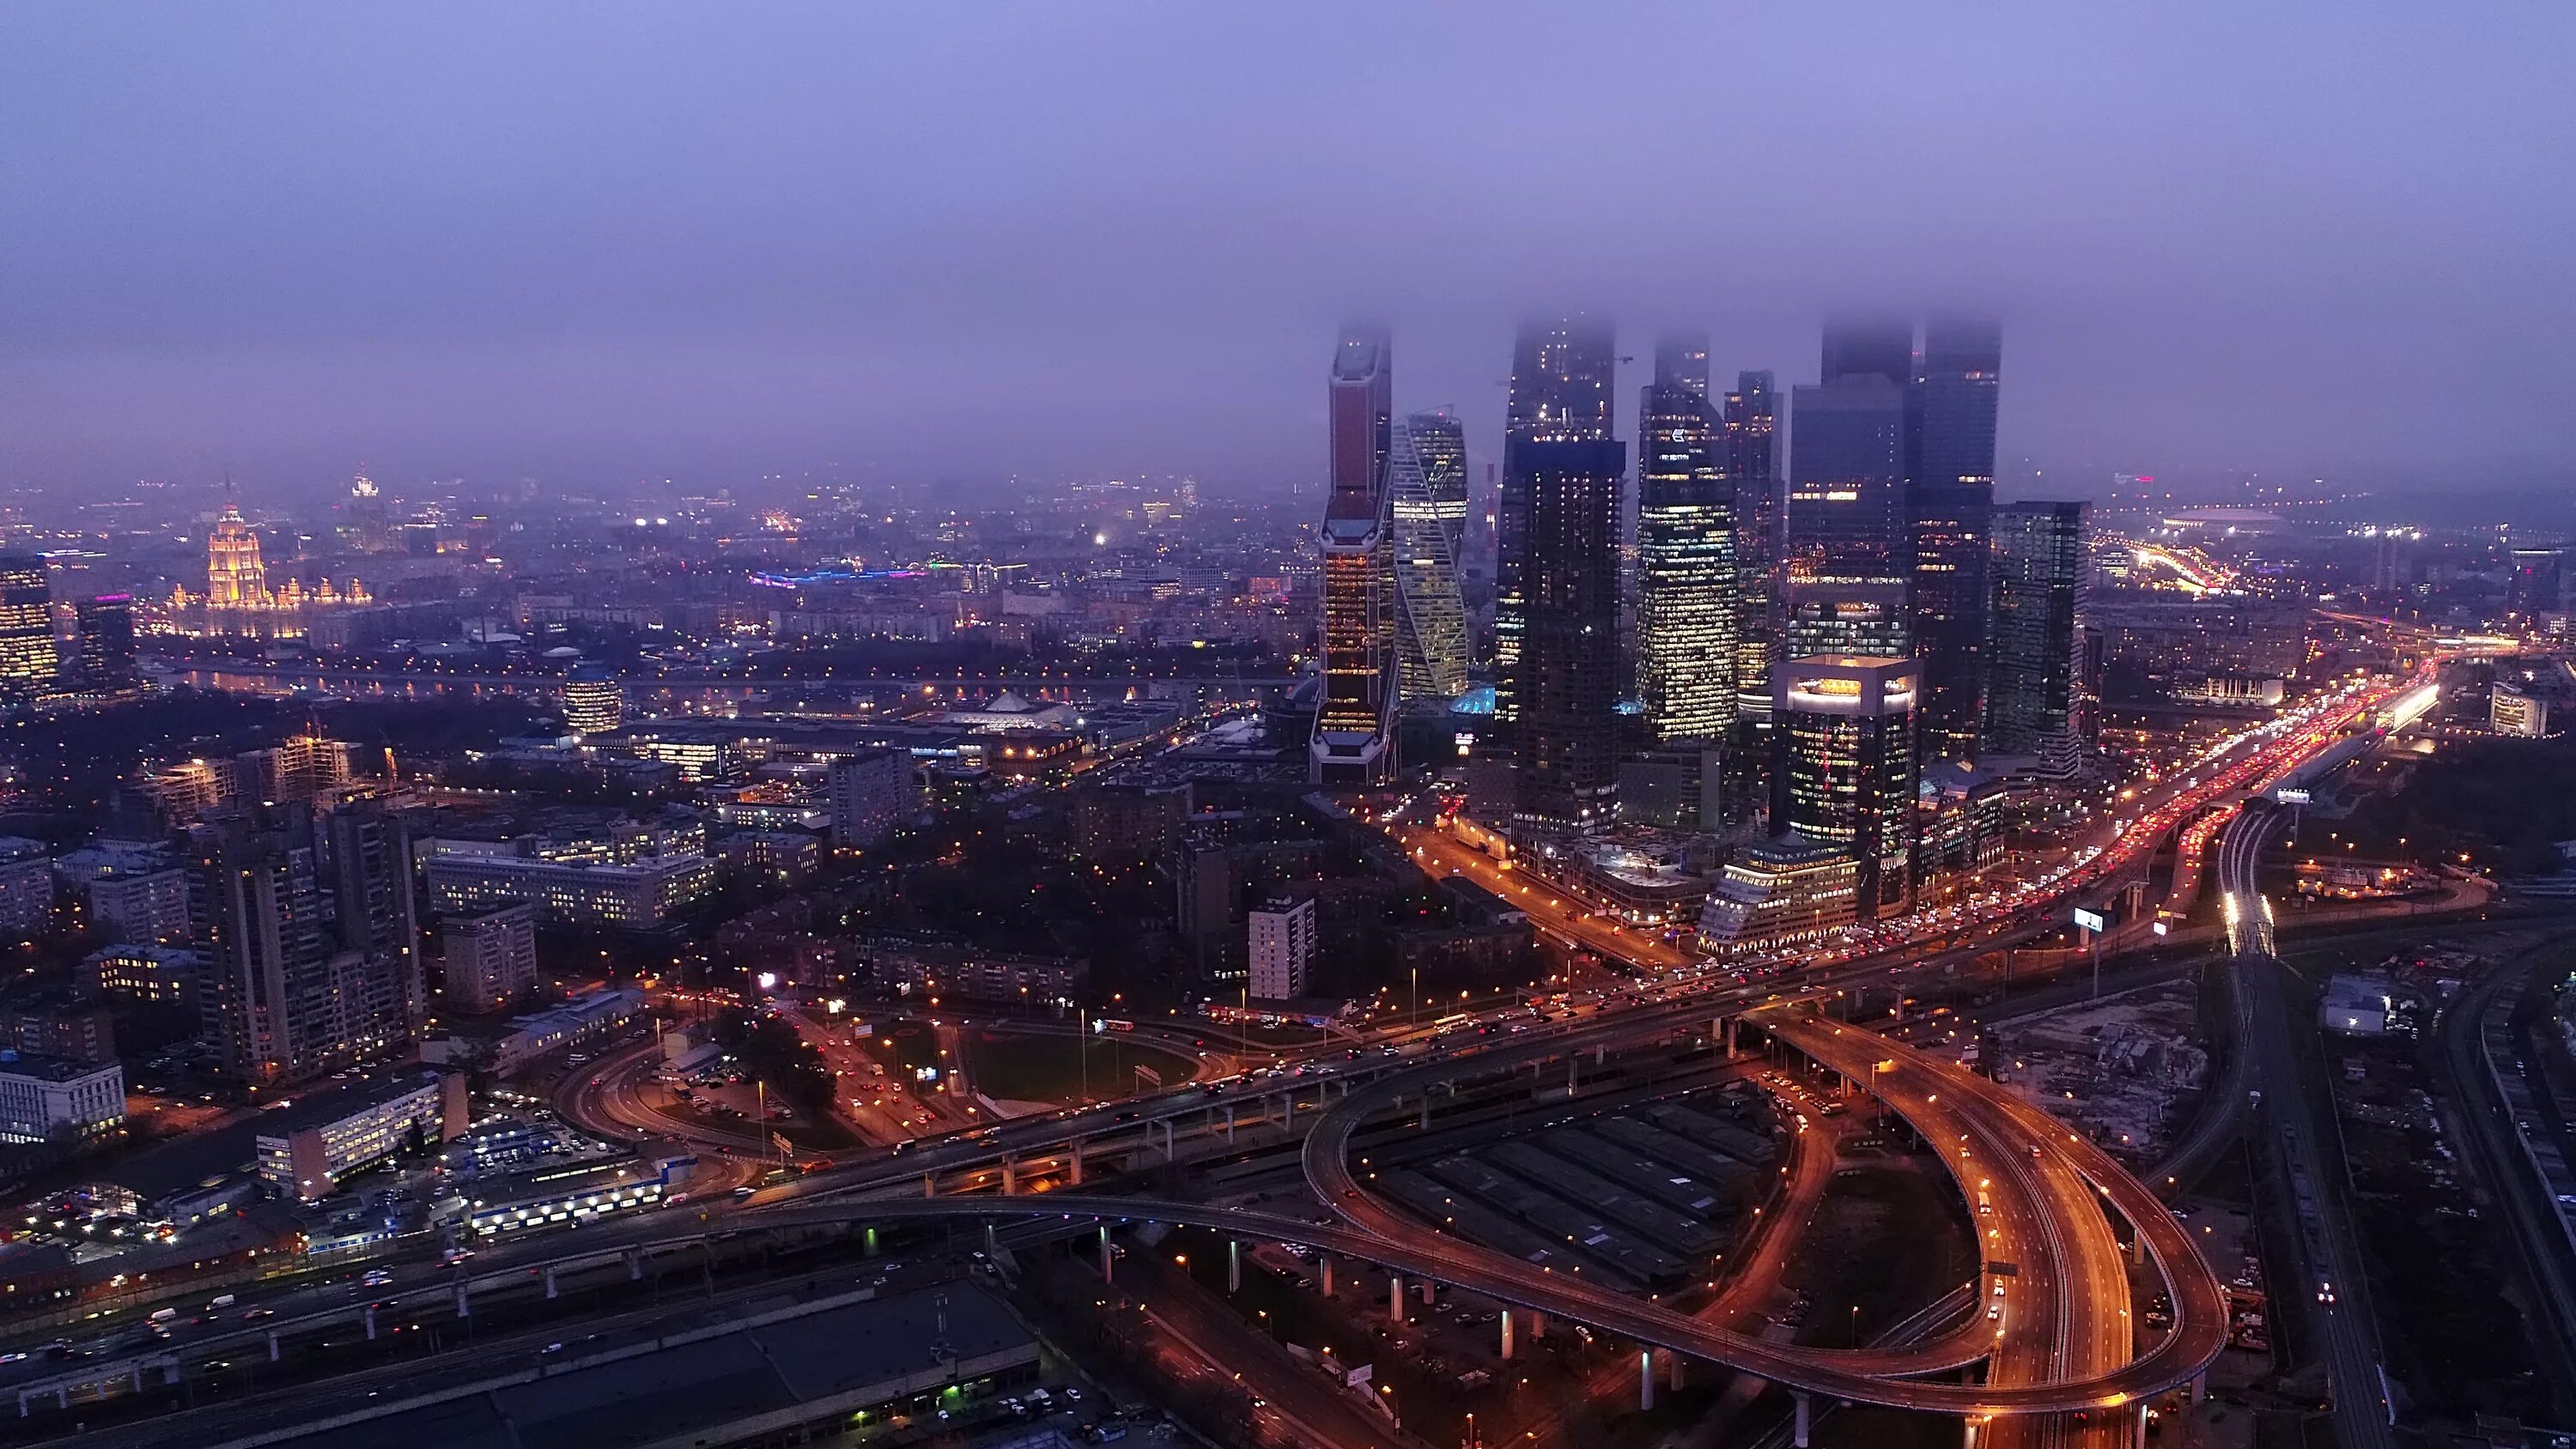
<point x="1557" y="613"/>
<point x="2036" y="695"/>
<point x="1951" y="499"/>
<point x="1753" y="463"/>
<point x="1848" y="771"/>
<point x="1847" y="549"/>
<point x="1355" y="725"/>
<point x="1426" y="485"/>
<point x="1686" y="572"/>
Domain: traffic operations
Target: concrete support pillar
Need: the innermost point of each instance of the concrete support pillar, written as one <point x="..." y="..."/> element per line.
<point x="1598" y="1053"/>
<point x="1645" y="1380"/>
<point x="930" y="1184"/>
<point x="23" y="1410"/>
<point x="1010" y="1176"/>
<point x="1805" y="1422"/>
<point x="1233" y="1266"/>
<point x="1570" y="1064"/>
<point x="1229" y="1124"/>
<point x="1507" y="1335"/>
<point x="1105" y="1254"/>
<point x="1395" y="1298"/>
<point x="1673" y="1371"/>
<point x="464" y="1304"/>
<point x="2137" y="1248"/>
<point x="2198" y="1388"/>
<point x="1538" y="1324"/>
<point x="170" y="1373"/>
<point x="553" y="1290"/>
<point x="1328" y="1275"/>
<point x="992" y="1243"/>
<point x="63" y="1397"/>
<point x="1073" y="1166"/>
<point x="138" y="1376"/>
<point x="1968" y="1431"/>
<point x="1426" y="1111"/>
<point x="2138" y="1426"/>
<point x="273" y="1349"/>
<point x="368" y="1315"/>
<point x="634" y="1265"/>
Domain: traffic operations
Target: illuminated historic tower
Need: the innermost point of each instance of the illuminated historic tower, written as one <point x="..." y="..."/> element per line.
<point x="235" y="579"/>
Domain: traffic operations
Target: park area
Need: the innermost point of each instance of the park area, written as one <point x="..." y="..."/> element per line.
<point x="1055" y="1070"/>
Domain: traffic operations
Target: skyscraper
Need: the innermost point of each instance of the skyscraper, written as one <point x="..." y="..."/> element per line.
<point x="1868" y="347"/>
<point x="1427" y="498"/>
<point x="1848" y="769"/>
<point x="106" y="626"/>
<point x="1686" y="601"/>
<point x="1355" y="726"/>
<point x="2036" y="685"/>
<point x="1753" y="464"/>
<point x="1558" y="604"/>
<point x="1848" y="546"/>
<point x="1951" y="498"/>
<point x="29" y="659"/>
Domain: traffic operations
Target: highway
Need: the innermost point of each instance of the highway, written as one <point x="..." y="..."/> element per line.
<point x="2303" y="1180"/>
<point x="2062" y="1346"/>
<point x="2467" y="1067"/>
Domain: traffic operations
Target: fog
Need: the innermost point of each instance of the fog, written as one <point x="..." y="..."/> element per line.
<point x="594" y="244"/>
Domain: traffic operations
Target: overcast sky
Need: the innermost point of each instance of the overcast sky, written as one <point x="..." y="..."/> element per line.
<point x="597" y="243"/>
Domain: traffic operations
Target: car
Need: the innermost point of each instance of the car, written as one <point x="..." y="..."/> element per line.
<point x="2325" y="1292"/>
<point x="256" y="1314"/>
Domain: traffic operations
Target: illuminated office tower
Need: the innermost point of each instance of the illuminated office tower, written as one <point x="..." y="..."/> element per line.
<point x="2037" y="687"/>
<point x="1848" y="772"/>
<point x="593" y="701"/>
<point x="1753" y="463"/>
<point x="1848" y="549"/>
<point x="29" y="659"/>
<point x="1558" y="595"/>
<point x="1951" y="496"/>
<point x="1426" y="484"/>
<point x="1686" y="603"/>
<point x="1354" y="738"/>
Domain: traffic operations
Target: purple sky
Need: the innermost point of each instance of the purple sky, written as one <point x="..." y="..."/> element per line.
<point x="596" y="243"/>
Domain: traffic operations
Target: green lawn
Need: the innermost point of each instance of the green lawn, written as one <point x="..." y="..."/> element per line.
<point x="1020" y="1067"/>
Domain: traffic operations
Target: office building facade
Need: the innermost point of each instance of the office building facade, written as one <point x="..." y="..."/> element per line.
<point x="1847" y="537"/>
<point x="1560" y="576"/>
<point x="593" y="701"/>
<point x="1950" y="499"/>
<point x="29" y="659"/>
<point x="1427" y="504"/>
<point x="2036" y="695"/>
<point x="1848" y="771"/>
<point x="1354" y="738"/>
<point x="106" y="629"/>
<point x="1687" y="608"/>
<point x="1752" y="462"/>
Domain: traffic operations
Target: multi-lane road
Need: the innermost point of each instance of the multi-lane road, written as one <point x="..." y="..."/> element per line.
<point x="2062" y="1342"/>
